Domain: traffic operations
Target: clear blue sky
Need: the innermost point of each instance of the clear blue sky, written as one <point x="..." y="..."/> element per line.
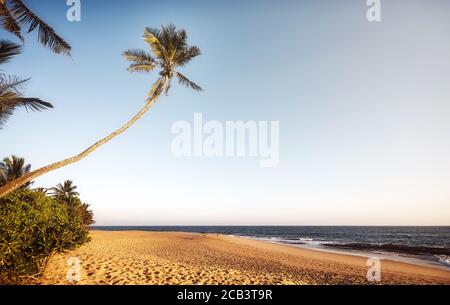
<point x="363" y="110"/>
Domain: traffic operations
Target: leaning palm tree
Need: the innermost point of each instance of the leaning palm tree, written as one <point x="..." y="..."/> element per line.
<point x="64" y="191"/>
<point x="13" y="168"/>
<point x="14" y="15"/>
<point x="170" y="52"/>
<point x="11" y="87"/>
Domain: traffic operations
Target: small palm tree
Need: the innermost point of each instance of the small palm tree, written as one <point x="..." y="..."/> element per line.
<point x="64" y="191"/>
<point x="79" y="210"/>
<point x="170" y="52"/>
<point x="14" y="15"/>
<point x="13" y="168"/>
<point x="87" y="215"/>
<point x="11" y="87"/>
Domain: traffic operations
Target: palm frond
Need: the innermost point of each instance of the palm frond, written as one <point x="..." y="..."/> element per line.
<point x="141" y="61"/>
<point x="138" y="56"/>
<point x="5" y="113"/>
<point x="179" y="41"/>
<point x="183" y="80"/>
<point x="46" y="35"/>
<point x="8" y="22"/>
<point x="140" y="68"/>
<point x="174" y="41"/>
<point x="29" y="103"/>
<point x="8" y="50"/>
<point x="153" y="38"/>
<point x="9" y="102"/>
<point x="11" y="84"/>
<point x="168" y="34"/>
<point x="185" y="57"/>
<point x="11" y="98"/>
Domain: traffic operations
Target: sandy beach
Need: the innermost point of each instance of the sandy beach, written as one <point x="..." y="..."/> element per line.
<point x="135" y="257"/>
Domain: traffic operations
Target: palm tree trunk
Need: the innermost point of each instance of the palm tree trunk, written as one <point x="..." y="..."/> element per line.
<point x="13" y="185"/>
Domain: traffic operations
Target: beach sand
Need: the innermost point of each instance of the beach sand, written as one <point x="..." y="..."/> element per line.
<point x="134" y="257"/>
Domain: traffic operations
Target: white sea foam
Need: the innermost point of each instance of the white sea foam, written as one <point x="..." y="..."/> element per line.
<point x="444" y="259"/>
<point x="305" y="239"/>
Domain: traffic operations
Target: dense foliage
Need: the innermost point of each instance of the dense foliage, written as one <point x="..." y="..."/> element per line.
<point x="33" y="227"/>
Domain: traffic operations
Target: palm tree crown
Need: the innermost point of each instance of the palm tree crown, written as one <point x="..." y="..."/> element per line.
<point x="65" y="191"/>
<point x="12" y="168"/>
<point x="14" y="14"/>
<point x="11" y="87"/>
<point x="170" y="51"/>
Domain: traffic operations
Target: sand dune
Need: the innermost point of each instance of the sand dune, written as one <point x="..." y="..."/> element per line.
<point x="134" y="257"/>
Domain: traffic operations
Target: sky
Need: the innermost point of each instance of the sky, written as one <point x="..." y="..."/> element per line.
<point x="362" y="108"/>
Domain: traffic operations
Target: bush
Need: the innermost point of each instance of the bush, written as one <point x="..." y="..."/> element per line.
<point x="33" y="227"/>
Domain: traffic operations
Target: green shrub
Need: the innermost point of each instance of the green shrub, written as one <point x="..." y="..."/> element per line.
<point x="33" y="227"/>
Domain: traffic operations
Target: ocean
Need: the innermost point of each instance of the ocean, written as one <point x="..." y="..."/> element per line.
<point x="421" y="245"/>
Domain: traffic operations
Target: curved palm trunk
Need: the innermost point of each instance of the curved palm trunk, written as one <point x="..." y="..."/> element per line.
<point x="13" y="185"/>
